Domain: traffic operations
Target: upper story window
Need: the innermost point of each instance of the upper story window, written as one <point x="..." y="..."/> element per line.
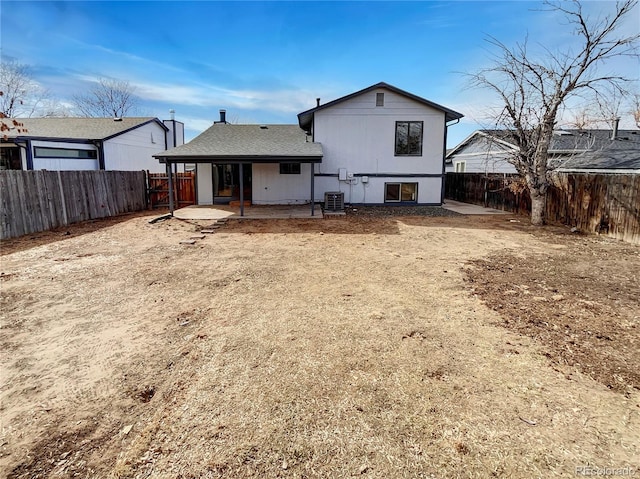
<point x="47" y="152"/>
<point x="379" y="99"/>
<point x="408" y="138"/>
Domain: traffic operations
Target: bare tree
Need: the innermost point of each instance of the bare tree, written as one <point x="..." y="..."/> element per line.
<point x="635" y="108"/>
<point x="20" y="95"/>
<point x="533" y="91"/>
<point x="108" y="98"/>
<point x="582" y="119"/>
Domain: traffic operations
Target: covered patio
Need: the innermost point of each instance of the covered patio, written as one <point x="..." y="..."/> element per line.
<point x="248" y="149"/>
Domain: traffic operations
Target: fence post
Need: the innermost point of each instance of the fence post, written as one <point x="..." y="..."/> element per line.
<point x="63" y="200"/>
<point x="485" y="196"/>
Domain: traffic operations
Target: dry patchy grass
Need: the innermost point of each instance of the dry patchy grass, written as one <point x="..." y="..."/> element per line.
<point x="333" y="348"/>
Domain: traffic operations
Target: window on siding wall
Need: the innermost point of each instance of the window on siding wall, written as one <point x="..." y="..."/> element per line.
<point x="47" y="152"/>
<point x="408" y="138"/>
<point x="460" y="166"/>
<point x="400" y="192"/>
<point x="379" y="99"/>
<point x="289" y="168"/>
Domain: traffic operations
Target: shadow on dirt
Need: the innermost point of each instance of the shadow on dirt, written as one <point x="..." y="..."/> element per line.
<point x="22" y="243"/>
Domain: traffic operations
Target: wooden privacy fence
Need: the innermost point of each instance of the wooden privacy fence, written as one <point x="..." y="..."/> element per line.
<point x="32" y="201"/>
<point x="498" y="191"/>
<point x="184" y="191"/>
<point x="595" y="203"/>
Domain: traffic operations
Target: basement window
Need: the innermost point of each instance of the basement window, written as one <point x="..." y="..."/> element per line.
<point x="289" y="168"/>
<point x="47" y="152"/>
<point x="400" y="192"/>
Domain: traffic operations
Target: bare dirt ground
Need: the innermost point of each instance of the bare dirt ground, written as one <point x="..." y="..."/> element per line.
<point x="360" y="346"/>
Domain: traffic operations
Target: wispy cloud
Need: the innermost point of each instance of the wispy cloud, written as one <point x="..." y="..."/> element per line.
<point x="161" y="66"/>
<point x="277" y="100"/>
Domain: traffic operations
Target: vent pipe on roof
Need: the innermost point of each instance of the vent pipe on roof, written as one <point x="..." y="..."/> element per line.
<point x="172" y="114"/>
<point x="317" y="102"/>
<point x="616" y="124"/>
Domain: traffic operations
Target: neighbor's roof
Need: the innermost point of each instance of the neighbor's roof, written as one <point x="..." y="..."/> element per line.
<point x="564" y="141"/>
<point x="72" y="128"/>
<point x="306" y="117"/>
<point x="255" y="143"/>
<point x="616" y="159"/>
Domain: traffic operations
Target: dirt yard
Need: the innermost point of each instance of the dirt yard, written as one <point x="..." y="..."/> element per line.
<point x="386" y="347"/>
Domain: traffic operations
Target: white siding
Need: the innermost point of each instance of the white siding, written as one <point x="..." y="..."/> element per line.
<point x="482" y="156"/>
<point x="133" y="150"/>
<point x="429" y="189"/>
<point x="358" y="136"/>
<point x="481" y="164"/>
<point x="269" y="187"/>
<point x="63" y="164"/>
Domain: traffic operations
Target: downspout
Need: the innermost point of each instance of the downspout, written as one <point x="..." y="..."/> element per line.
<point x="444" y="158"/>
<point x="23" y="146"/>
<point x="29" y="151"/>
<point x="99" y="144"/>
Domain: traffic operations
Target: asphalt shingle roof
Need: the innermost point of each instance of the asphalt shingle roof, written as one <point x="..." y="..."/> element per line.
<point x="73" y="128"/>
<point x="571" y="140"/>
<point x="609" y="159"/>
<point x="224" y="140"/>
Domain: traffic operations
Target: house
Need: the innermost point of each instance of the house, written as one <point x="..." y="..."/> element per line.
<point x="382" y="145"/>
<point x="379" y="145"/>
<point x="86" y="143"/>
<point x="488" y="151"/>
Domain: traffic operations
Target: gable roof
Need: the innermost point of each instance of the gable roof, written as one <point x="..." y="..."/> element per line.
<point x="501" y="137"/>
<point x="73" y="128"/>
<point x="306" y="117"/>
<point x="237" y="143"/>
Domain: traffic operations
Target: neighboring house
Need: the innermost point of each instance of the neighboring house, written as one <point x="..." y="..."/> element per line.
<point x="380" y="145"/>
<point x="487" y="151"/>
<point x="86" y="143"/>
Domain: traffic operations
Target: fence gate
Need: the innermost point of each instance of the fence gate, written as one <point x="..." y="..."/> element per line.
<point x="184" y="191"/>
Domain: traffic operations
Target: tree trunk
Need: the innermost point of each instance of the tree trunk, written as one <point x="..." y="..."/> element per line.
<point x="538" y="207"/>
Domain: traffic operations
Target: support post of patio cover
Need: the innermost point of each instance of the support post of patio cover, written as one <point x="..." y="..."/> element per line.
<point x="312" y="189"/>
<point x="170" y="175"/>
<point x="241" y="174"/>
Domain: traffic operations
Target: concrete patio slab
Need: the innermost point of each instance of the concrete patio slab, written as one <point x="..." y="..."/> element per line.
<point x="470" y="209"/>
<point x="218" y="212"/>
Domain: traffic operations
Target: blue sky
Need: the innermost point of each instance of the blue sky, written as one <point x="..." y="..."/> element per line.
<point x="264" y="62"/>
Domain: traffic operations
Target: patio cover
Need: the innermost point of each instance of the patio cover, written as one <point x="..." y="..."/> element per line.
<point x="225" y="143"/>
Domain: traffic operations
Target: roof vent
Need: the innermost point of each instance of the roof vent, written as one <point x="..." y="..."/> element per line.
<point x="264" y="127"/>
<point x="223" y="117"/>
<point x="117" y="118"/>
